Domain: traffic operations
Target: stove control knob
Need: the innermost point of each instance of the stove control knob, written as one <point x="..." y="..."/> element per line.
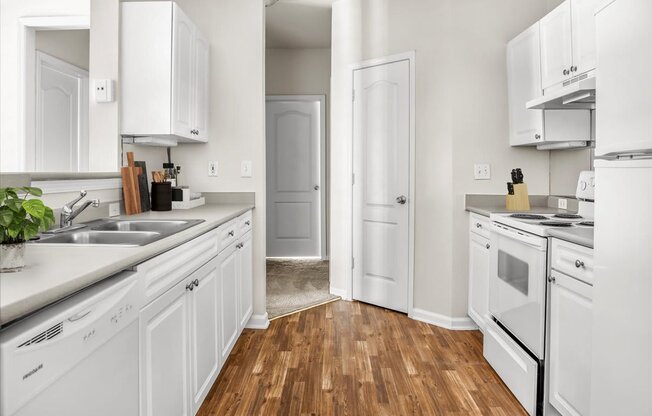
<point x="583" y="185"/>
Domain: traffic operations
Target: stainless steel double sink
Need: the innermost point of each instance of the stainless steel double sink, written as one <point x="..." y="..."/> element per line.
<point x="117" y="232"/>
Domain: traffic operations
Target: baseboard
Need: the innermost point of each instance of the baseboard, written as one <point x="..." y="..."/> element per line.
<point x="339" y="292"/>
<point x="443" y="321"/>
<point x="258" y="322"/>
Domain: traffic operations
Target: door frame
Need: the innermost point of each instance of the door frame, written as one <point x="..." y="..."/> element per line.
<point x="27" y="27"/>
<point x="82" y="160"/>
<point x="322" y="158"/>
<point x="409" y="56"/>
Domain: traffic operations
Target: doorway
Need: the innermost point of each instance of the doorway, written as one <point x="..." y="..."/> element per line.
<point x="383" y="182"/>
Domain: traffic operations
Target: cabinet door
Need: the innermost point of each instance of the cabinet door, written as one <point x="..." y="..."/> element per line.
<point x="164" y="343"/>
<point x="556" y="51"/>
<point x="524" y="84"/>
<point x="204" y="332"/>
<point x="245" y="284"/>
<point x="571" y="312"/>
<point x="228" y="297"/>
<point x="201" y="85"/>
<point x="583" y="33"/>
<point x="183" y="34"/>
<point x="478" y="278"/>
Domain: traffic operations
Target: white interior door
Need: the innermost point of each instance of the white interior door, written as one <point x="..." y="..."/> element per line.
<point x="61" y="116"/>
<point x="381" y="168"/>
<point x="294" y="177"/>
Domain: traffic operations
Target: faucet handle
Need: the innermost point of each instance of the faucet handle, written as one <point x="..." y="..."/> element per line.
<point x="82" y="193"/>
<point x="96" y="203"/>
<point x="72" y="203"/>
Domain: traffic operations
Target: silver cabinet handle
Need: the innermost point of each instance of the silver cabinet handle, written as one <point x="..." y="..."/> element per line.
<point x="190" y="286"/>
<point x="488" y="246"/>
<point x="195" y="282"/>
<point x="552" y="279"/>
<point x="537" y="137"/>
<point x="316" y="188"/>
<point x="478" y="225"/>
<point x="247" y="222"/>
<point x="231" y="233"/>
<point x="401" y="199"/>
<point x="579" y="263"/>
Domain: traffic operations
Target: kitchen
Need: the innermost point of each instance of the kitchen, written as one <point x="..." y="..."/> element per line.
<point x="461" y="51"/>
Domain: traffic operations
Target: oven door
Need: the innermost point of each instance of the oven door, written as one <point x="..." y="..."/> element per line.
<point x="517" y="284"/>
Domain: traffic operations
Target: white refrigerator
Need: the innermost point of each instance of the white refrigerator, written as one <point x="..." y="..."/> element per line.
<point x="621" y="371"/>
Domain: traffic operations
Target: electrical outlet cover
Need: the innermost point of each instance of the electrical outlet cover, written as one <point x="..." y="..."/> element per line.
<point x="212" y="168"/>
<point x="114" y="209"/>
<point x="482" y="171"/>
<point x="245" y="169"/>
<point x="562" y="203"/>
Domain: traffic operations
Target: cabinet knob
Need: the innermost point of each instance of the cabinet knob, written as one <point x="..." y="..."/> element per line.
<point x="573" y="68"/>
<point x="579" y="263"/>
<point x="488" y="246"/>
<point x="195" y="282"/>
<point x="478" y="225"/>
<point x="552" y="279"/>
<point x="537" y="136"/>
<point x="231" y="233"/>
<point x="247" y="222"/>
<point x="190" y="286"/>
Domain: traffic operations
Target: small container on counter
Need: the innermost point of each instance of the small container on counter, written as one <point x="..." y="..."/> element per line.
<point x="161" y="196"/>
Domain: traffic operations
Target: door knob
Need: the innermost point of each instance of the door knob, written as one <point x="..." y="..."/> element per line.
<point x="316" y="188"/>
<point x="401" y="200"/>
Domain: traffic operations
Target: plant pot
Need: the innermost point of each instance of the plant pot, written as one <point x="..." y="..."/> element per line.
<point x="12" y="257"/>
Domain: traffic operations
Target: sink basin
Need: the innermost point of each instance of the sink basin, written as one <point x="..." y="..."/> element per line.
<point x="119" y="232"/>
<point x="121" y="238"/>
<point x="159" y="226"/>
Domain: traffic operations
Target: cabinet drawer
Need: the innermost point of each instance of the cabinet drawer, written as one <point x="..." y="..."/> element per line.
<point x="227" y="234"/>
<point x="164" y="271"/>
<point x="245" y="222"/>
<point x="513" y="365"/>
<point x="573" y="260"/>
<point x="479" y="224"/>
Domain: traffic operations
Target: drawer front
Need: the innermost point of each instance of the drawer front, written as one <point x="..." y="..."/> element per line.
<point x="164" y="271"/>
<point x="245" y="223"/>
<point x="573" y="260"/>
<point x="227" y="234"/>
<point x="480" y="225"/>
<point x="513" y="365"/>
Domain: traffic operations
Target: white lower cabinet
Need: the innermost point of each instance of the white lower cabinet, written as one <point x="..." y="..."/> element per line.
<point x="245" y="280"/>
<point x="164" y="344"/>
<point x="228" y="299"/>
<point x="187" y="333"/>
<point x="479" y="250"/>
<point x="571" y="310"/>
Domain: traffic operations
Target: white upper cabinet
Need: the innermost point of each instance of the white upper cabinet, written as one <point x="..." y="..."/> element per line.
<point x="556" y="50"/>
<point x="164" y="72"/>
<point x="568" y="42"/>
<point x="524" y="84"/>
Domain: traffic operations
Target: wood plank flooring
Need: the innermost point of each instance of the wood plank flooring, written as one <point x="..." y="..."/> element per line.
<point x="350" y="358"/>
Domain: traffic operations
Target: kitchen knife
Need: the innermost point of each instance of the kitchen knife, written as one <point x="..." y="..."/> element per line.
<point x="510" y="188"/>
<point x="519" y="175"/>
<point x="514" y="178"/>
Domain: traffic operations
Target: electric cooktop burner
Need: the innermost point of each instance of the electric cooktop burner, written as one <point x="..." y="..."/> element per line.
<point x="556" y="223"/>
<point x="586" y="223"/>
<point x="568" y="216"/>
<point x="528" y="216"/>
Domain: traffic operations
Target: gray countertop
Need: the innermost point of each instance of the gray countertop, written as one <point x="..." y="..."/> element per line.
<point x="487" y="210"/>
<point x="54" y="272"/>
<point x="582" y="236"/>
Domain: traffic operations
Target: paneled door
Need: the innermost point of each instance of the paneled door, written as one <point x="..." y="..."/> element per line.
<point x="381" y="184"/>
<point x="295" y="198"/>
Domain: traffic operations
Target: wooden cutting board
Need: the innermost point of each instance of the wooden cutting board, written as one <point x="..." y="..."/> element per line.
<point x="130" y="187"/>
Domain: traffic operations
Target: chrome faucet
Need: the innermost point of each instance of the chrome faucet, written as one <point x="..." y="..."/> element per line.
<point x="68" y="214"/>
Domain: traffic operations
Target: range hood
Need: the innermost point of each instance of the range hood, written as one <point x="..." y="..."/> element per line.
<point x="577" y="93"/>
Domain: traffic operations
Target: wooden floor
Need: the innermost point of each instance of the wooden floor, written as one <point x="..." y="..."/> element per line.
<point x="350" y="358"/>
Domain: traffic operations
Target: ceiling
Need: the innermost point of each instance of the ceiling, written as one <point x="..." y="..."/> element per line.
<point x="298" y="24"/>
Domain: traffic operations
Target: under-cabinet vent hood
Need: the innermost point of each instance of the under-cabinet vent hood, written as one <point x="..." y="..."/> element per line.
<point x="577" y="93"/>
<point x="564" y="145"/>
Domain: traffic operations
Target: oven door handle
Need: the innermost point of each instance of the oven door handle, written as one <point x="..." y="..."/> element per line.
<point x="539" y="243"/>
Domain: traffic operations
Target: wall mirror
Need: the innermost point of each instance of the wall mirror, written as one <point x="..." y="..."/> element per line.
<point x="51" y="119"/>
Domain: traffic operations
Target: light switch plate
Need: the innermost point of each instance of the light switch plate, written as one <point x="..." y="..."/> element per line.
<point x="114" y="209"/>
<point x="212" y="168"/>
<point x="245" y="169"/>
<point x="103" y="90"/>
<point x="482" y="171"/>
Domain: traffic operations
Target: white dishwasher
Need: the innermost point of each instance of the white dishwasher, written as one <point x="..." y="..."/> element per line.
<point x="77" y="357"/>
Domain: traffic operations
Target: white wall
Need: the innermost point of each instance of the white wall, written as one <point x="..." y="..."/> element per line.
<point x="461" y="118"/>
<point x="103" y="63"/>
<point x="68" y="45"/>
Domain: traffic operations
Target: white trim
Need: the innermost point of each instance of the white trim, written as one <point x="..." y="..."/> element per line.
<point x="339" y="292"/>
<point x="63" y="186"/>
<point x="27" y="26"/>
<point x="258" y="322"/>
<point x="322" y="157"/>
<point x="443" y="321"/>
<point x="411" y="57"/>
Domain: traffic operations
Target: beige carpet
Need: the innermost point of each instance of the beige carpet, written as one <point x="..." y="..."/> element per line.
<point x="293" y="285"/>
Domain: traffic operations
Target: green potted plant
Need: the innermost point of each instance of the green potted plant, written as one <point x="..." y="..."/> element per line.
<point x="20" y="219"/>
